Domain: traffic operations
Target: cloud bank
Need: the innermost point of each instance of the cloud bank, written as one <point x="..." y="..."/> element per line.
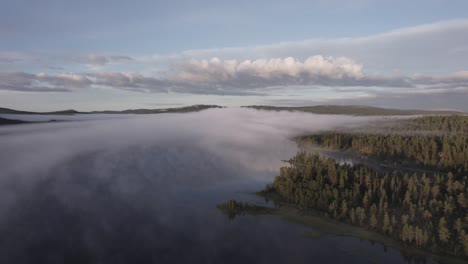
<point x="100" y="60"/>
<point x="216" y="76"/>
<point x="257" y="74"/>
<point x="436" y="47"/>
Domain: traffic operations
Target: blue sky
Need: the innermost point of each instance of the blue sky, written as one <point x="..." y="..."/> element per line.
<point x="131" y="54"/>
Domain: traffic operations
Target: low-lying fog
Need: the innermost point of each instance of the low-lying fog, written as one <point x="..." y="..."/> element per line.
<point x="162" y="145"/>
<point x="143" y="188"/>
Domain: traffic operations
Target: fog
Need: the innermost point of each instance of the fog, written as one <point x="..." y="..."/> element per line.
<point x="104" y="189"/>
<point x="248" y="138"/>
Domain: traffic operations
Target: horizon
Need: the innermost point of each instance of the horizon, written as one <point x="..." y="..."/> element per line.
<point x="79" y="111"/>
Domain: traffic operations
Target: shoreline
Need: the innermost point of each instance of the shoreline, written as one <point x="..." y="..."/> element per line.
<point x="323" y="225"/>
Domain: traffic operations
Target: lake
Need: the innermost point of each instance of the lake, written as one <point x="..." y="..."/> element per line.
<point x="144" y="189"/>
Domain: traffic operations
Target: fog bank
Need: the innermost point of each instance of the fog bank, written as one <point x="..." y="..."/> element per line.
<point x="158" y="177"/>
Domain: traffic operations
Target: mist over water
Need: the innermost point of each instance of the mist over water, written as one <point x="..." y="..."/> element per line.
<point x="143" y="189"/>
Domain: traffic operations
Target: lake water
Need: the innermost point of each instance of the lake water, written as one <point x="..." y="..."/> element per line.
<point x="144" y="189"/>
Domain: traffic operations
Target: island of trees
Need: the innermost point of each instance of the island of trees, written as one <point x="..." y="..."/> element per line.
<point x="418" y="209"/>
<point x="233" y="208"/>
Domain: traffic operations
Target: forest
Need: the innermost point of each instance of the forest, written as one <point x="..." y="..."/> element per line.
<point x="449" y="124"/>
<point x="447" y="153"/>
<point x="426" y="211"/>
<point x="357" y="110"/>
<point x="445" y="149"/>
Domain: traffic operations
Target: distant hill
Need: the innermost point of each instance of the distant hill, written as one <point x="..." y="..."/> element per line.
<point x="19" y="112"/>
<point x="6" y="121"/>
<point x="352" y="110"/>
<point x="186" y="109"/>
<point x="193" y="108"/>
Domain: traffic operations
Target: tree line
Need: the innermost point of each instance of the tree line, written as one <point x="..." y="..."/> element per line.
<point x="446" y="152"/>
<point x="424" y="211"/>
<point x="449" y="124"/>
<point x="421" y="211"/>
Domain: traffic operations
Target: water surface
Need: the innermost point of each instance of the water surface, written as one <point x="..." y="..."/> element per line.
<point x="144" y="189"/>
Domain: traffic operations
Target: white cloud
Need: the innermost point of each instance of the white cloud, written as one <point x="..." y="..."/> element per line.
<point x="9" y="60"/>
<point x="216" y="76"/>
<point x="431" y="48"/>
<point x="263" y="73"/>
<point x="212" y="76"/>
<point x="101" y="60"/>
<point x="26" y="82"/>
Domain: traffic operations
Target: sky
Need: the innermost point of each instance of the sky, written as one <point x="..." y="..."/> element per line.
<point x="97" y="55"/>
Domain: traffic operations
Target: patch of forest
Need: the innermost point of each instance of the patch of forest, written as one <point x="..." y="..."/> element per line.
<point x="233" y="208"/>
<point x="423" y="125"/>
<point x="457" y="124"/>
<point x="417" y="210"/>
<point x="446" y="152"/>
<point x="425" y="211"/>
<point x="357" y="110"/>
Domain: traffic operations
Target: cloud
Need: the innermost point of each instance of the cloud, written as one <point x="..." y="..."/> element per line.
<point x="431" y="57"/>
<point x="436" y="47"/>
<point x="261" y="73"/>
<point x="456" y="79"/>
<point x="245" y="77"/>
<point x="12" y="59"/>
<point x="212" y="76"/>
<point x="9" y="60"/>
<point x="64" y="82"/>
<point x="93" y="59"/>
<point x="26" y="82"/>
<point x="54" y="68"/>
<point x="129" y="81"/>
<point x="439" y="47"/>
